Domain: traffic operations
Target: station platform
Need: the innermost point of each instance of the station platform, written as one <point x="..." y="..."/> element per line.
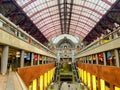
<point x="3" y="81"/>
<point x="10" y="82"/>
<point x="67" y="86"/>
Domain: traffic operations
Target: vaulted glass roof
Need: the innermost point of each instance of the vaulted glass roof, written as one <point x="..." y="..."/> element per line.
<point x="45" y="14"/>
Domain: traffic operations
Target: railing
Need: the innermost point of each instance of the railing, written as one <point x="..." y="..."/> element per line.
<point x="14" y="30"/>
<point x="113" y="35"/>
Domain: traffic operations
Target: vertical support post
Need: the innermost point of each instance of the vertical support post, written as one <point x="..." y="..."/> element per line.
<point x="104" y="57"/>
<point x="4" y="59"/>
<point x="117" y="58"/>
<point x="22" y="59"/>
<point x="32" y="56"/>
<point x="96" y="59"/>
<point x="38" y="59"/>
<point x="73" y="56"/>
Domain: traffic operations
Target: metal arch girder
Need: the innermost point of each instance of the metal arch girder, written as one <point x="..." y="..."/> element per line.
<point x="28" y="3"/>
<point x="54" y="34"/>
<point x="70" y="31"/>
<point x="72" y="13"/>
<point x="55" y="20"/>
<point x="56" y="15"/>
<point x="59" y="25"/>
<point x="106" y="1"/>
<point x="67" y="3"/>
<point x="59" y="29"/>
<point x="73" y="4"/>
<point x="50" y="1"/>
<point x="58" y="20"/>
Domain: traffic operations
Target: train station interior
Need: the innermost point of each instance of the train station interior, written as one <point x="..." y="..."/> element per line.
<point x="59" y="44"/>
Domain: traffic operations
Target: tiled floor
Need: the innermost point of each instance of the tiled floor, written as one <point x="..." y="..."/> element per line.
<point x="3" y="81"/>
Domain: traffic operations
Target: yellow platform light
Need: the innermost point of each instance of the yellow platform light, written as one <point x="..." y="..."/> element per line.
<point x="85" y="81"/>
<point x="117" y="88"/>
<point x="94" y="82"/>
<point x="45" y="80"/>
<point x="102" y="84"/>
<point x="41" y="82"/>
<point x="34" y="87"/>
<point x="89" y="84"/>
<point x="49" y="77"/>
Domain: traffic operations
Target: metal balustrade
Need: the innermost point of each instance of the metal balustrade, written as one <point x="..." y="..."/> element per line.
<point x="104" y="39"/>
<point x="16" y="31"/>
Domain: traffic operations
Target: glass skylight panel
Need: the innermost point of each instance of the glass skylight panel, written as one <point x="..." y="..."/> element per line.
<point x="26" y="9"/>
<point x="73" y="26"/>
<point x="90" y="5"/>
<point x="83" y="34"/>
<point x="81" y="2"/>
<point x="112" y="1"/>
<point x="73" y="21"/>
<point x="93" y="1"/>
<point x="85" y="14"/>
<point x="86" y="10"/>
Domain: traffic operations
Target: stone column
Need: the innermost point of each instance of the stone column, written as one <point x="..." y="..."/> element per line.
<point x="32" y="56"/>
<point x="117" y="58"/>
<point x="38" y="60"/>
<point x="96" y="59"/>
<point x="104" y="57"/>
<point x="4" y="59"/>
<point x="22" y="59"/>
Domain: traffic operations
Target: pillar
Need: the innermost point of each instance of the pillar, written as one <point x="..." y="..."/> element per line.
<point x="104" y="57"/>
<point x="22" y="59"/>
<point x="73" y="56"/>
<point x="96" y="59"/>
<point x="4" y="59"/>
<point x="38" y="62"/>
<point x="32" y="56"/>
<point x="117" y="58"/>
<point x="58" y="57"/>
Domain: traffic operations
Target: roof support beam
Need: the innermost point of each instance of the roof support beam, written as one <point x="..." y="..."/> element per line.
<point x="65" y="16"/>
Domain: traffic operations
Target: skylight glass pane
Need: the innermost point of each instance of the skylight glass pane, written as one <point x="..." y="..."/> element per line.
<point x="85" y="13"/>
